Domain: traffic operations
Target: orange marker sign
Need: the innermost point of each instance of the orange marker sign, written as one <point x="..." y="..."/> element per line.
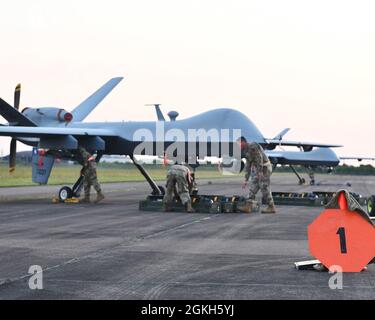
<point x="340" y="237"/>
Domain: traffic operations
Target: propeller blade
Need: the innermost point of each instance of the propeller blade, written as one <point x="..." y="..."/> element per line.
<point x="17" y="96"/>
<point x="12" y="155"/>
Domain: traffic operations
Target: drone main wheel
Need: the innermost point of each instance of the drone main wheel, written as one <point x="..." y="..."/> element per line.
<point x="65" y="193"/>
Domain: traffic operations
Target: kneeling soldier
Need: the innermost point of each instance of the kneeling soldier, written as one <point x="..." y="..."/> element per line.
<point x="180" y="183"/>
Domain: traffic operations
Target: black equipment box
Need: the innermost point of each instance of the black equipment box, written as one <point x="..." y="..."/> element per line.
<point x="200" y="203"/>
<point x="310" y="199"/>
<point x="297" y="199"/>
<point x="224" y="204"/>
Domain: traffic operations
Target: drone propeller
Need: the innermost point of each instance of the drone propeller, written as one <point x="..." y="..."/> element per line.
<point x="13" y="142"/>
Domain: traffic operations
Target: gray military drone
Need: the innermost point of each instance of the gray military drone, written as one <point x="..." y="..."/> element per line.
<point x="56" y="133"/>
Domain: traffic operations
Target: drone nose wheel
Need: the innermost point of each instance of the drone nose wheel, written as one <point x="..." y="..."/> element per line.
<point x="65" y="193"/>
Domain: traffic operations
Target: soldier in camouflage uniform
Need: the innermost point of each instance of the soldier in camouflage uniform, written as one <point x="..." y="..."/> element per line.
<point x="179" y="183"/>
<point x="259" y="168"/>
<point x="90" y="177"/>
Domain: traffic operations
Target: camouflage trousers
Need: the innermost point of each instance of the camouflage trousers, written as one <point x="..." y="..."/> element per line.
<point x="90" y="179"/>
<point x="263" y="184"/>
<point x="177" y="185"/>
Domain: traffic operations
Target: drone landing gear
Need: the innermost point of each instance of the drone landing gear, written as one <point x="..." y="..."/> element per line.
<point x="312" y="179"/>
<point x="156" y="190"/>
<point x="66" y="192"/>
<point x="301" y="180"/>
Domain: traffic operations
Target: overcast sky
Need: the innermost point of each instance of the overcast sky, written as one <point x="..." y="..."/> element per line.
<point x="307" y="65"/>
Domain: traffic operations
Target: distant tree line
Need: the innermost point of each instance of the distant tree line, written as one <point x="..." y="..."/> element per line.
<point x="362" y="170"/>
<point x="365" y="170"/>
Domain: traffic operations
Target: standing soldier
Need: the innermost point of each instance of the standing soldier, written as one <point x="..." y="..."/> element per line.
<point x="90" y="177"/>
<point x="259" y="168"/>
<point x="180" y="183"/>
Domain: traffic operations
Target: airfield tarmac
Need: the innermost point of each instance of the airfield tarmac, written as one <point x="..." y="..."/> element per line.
<point x="113" y="251"/>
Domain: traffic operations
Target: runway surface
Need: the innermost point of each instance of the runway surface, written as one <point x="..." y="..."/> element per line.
<point x="113" y="251"/>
